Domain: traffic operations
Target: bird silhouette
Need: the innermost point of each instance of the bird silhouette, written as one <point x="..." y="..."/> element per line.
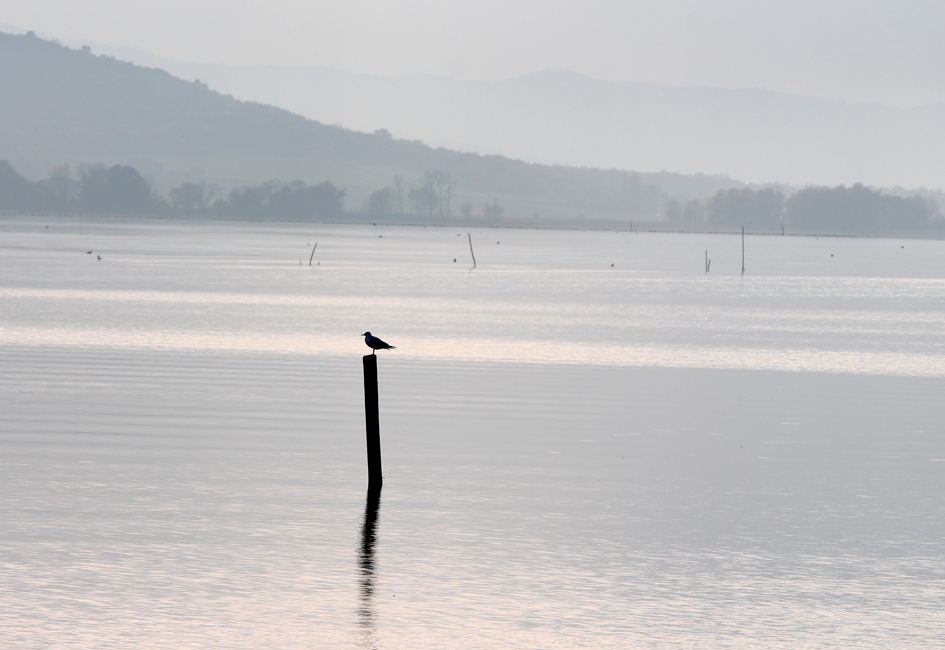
<point x="375" y="343"/>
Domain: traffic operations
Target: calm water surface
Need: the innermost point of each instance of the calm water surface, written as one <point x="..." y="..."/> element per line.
<point x="576" y="455"/>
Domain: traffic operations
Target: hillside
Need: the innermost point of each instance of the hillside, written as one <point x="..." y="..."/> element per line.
<point x="751" y="134"/>
<point x="63" y="105"/>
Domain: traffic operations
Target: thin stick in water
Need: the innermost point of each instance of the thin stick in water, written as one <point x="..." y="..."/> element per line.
<point x="471" y="250"/>
<point x="313" y="254"/>
<point x="743" y="250"/>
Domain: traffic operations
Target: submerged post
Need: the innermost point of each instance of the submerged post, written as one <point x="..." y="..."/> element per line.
<point x="743" y="250"/>
<point x="372" y="422"/>
<point x="471" y="250"/>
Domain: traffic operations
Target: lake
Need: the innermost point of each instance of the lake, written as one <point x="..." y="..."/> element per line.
<point x="588" y="441"/>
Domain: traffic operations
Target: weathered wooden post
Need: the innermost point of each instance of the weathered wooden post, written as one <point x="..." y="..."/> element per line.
<point x="372" y="422"/>
<point x="743" y="250"/>
<point x="471" y="250"/>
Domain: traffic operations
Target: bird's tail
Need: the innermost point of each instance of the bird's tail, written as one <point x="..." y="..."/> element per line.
<point x="391" y="347"/>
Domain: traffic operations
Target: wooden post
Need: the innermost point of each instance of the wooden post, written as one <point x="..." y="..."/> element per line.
<point x="372" y="421"/>
<point x="743" y="250"/>
<point x="471" y="250"/>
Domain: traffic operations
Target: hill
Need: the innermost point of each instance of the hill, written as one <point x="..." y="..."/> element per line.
<point x="63" y="105"/>
<point x="568" y="118"/>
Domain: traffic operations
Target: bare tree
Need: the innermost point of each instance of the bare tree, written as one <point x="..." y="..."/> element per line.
<point x="398" y="191"/>
<point x="447" y="198"/>
<point x="441" y="184"/>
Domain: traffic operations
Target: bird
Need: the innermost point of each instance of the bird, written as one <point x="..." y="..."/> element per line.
<point x="375" y="343"/>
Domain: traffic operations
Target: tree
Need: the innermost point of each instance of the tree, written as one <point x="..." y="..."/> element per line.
<point x="674" y="211"/>
<point x="423" y="200"/>
<point x="294" y="200"/>
<point x="381" y="202"/>
<point x="857" y="209"/>
<point x="437" y="186"/>
<point x="303" y="201"/>
<point x="116" y="189"/>
<point x="746" y="207"/>
<point x="493" y="211"/>
<point x="398" y="192"/>
<point x="250" y="201"/>
<point x="693" y="213"/>
<point x="60" y="187"/>
<point x="16" y="193"/>
<point x="188" y="197"/>
<point x="466" y="210"/>
<point x="443" y="185"/>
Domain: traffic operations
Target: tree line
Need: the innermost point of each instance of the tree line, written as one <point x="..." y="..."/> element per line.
<point x="429" y="196"/>
<point x="853" y="210"/>
<point x="120" y="189"/>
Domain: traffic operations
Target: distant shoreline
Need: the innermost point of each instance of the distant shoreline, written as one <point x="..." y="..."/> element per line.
<point x="590" y="225"/>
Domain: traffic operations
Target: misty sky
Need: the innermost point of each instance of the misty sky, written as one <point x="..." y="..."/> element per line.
<point x="864" y="50"/>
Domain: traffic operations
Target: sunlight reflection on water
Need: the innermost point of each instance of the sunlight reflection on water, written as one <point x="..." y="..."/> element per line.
<point x="866" y="362"/>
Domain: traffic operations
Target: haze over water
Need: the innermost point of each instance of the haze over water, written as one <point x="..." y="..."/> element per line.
<point x="576" y="454"/>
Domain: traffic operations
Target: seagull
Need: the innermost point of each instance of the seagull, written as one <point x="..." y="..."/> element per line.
<point x="375" y="343"/>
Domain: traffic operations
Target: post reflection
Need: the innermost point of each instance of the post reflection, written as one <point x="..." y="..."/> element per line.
<point x="366" y="617"/>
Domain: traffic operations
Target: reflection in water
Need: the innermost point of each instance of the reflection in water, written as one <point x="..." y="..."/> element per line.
<point x="366" y="564"/>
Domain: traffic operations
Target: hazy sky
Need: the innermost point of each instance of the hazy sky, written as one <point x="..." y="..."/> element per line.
<point x="860" y="50"/>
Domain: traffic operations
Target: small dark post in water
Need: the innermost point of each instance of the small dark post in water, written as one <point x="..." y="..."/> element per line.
<point x="471" y="250"/>
<point x="707" y="262"/>
<point x="743" y="250"/>
<point x="372" y="420"/>
<point x="312" y="256"/>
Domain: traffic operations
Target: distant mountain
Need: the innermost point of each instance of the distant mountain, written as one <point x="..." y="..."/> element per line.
<point x="63" y="105"/>
<point x="567" y="118"/>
